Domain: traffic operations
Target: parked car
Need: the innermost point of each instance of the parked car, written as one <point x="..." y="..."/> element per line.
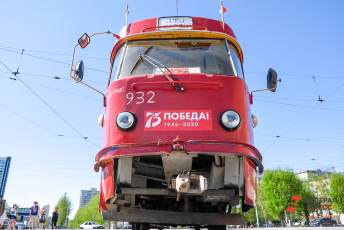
<point x="323" y="222"/>
<point x="122" y="225"/>
<point x="91" y="225"/>
<point x="21" y="226"/>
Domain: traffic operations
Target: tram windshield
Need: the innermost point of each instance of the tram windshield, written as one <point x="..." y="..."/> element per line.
<point x="209" y="56"/>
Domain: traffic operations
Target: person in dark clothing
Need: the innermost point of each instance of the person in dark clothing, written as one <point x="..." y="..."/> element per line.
<point x="34" y="211"/>
<point x="54" y="218"/>
<point x="42" y="218"/>
<point x="13" y="217"/>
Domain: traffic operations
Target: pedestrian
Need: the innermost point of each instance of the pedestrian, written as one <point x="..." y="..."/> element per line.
<point x="13" y="217"/>
<point x="2" y="220"/>
<point x="42" y="218"/>
<point x="54" y="218"/>
<point x="33" y="224"/>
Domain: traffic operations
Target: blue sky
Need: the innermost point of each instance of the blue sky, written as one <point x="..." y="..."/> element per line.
<point x="302" y="40"/>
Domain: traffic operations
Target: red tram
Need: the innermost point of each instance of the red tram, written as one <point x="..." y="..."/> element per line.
<point x="178" y="127"/>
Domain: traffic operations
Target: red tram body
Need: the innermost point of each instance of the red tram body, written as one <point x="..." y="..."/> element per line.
<point x="178" y="128"/>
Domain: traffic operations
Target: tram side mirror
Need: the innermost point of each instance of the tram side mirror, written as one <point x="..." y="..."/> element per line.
<point x="272" y="80"/>
<point x="78" y="72"/>
<point x="84" y="40"/>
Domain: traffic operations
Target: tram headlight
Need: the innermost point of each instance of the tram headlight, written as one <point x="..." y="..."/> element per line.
<point x="230" y="120"/>
<point x="125" y="120"/>
<point x="254" y="121"/>
<point x="101" y="120"/>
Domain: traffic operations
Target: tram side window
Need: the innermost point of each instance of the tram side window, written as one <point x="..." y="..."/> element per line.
<point x="117" y="62"/>
<point x="234" y="58"/>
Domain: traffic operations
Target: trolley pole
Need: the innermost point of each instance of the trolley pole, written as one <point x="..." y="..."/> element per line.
<point x="257" y="218"/>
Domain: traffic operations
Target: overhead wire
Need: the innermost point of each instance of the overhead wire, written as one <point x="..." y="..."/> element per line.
<point x="56" y="89"/>
<point x="323" y="77"/>
<point x="54" y="77"/>
<point x="270" y="100"/>
<point x="31" y="139"/>
<point x="51" y="60"/>
<point x="314" y="78"/>
<point x="316" y="85"/>
<point x="62" y="91"/>
<point x="4" y="108"/>
<point x="334" y="91"/>
<point x="57" y="134"/>
<point x="295" y="99"/>
<point x="49" y="106"/>
<point x="300" y="138"/>
<point x="47" y="76"/>
<point x="301" y="106"/>
<point x="28" y="51"/>
<point x="51" y="53"/>
<point x="21" y="59"/>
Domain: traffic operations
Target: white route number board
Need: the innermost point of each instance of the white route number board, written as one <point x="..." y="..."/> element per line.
<point x="175" y="23"/>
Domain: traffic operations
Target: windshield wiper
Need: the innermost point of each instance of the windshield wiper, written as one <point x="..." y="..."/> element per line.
<point x="140" y="59"/>
<point x="163" y="69"/>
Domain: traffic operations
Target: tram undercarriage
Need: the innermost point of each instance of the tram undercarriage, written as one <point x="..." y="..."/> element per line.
<point x="178" y="188"/>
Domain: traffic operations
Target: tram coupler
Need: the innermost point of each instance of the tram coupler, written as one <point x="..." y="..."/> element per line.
<point x="189" y="183"/>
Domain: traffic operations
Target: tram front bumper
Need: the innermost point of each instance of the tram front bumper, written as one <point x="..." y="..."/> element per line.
<point x="105" y="160"/>
<point x="107" y="154"/>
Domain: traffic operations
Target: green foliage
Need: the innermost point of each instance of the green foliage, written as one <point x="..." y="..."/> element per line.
<point x="89" y="212"/>
<point x="250" y="216"/>
<point x="308" y="203"/>
<point x="277" y="188"/>
<point x="337" y="192"/>
<point x="308" y="198"/>
<point x="64" y="205"/>
<point x="251" y="219"/>
<point x="322" y="185"/>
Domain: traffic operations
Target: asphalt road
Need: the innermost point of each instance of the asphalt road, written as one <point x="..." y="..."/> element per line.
<point x="297" y="228"/>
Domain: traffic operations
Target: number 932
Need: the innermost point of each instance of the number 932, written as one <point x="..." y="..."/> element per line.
<point x="140" y="97"/>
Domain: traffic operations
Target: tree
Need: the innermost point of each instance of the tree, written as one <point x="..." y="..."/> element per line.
<point x="321" y="183"/>
<point x="64" y="205"/>
<point x="278" y="187"/>
<point x="89" y="212"/>
<point x="337" y="192"/>
<point x="250" y="216"/>
<point x="308" y="201"/>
